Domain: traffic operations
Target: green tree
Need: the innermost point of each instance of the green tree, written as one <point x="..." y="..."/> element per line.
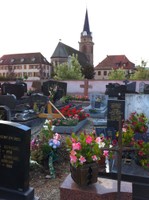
<point x="117" y="74"/>
<point x="141" y="73"/>
<point x="88" y="72"/>
<point x="69" y="71"/>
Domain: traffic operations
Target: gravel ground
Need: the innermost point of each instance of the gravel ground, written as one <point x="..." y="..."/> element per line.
<point x="46" y="188"/>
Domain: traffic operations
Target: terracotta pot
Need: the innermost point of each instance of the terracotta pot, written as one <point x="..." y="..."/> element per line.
<point x="85" y="175"/>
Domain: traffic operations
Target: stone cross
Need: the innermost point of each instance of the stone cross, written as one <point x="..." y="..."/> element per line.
<point x="86" y="86"/>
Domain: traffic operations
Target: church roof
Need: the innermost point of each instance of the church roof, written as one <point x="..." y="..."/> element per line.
<point x="64" y="51"/>
<point x="115" y="62"/>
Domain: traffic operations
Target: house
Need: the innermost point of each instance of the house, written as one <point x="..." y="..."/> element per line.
<point x="31" y="65"/>
<point x="103" y="69"/>
<point x="63" y="52"/>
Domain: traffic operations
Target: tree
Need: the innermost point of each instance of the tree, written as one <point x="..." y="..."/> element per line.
<point x="88" y="72"/>
<point x="141" y="73"/>
<point x="117" y="74"/>
<point x="69" y="71"/>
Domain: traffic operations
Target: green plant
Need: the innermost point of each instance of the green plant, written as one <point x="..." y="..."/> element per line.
<point x="86" y="148"/>
<point x="44" y="143"/>
<point x="138" y="122"/>
<point x="142" y="149"/>
<point x="127" y="136"/>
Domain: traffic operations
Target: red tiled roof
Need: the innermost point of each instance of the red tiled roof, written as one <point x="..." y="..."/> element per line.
<point x="114" y="62"/>
<point x="24" y="58"/>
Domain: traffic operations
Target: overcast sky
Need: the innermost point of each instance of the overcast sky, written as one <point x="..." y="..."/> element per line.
<point x="118" y="26"/>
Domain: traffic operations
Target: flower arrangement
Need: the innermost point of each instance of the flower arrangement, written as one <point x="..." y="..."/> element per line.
<point x="86" y="148"/>
<point x="138" y="122"/>
<point x="72" y="116"/>
<point x="68" y="98"/>
<point x="44" y="143"/>
<point x="67" y="111"/>
<point x="142" y="153"/>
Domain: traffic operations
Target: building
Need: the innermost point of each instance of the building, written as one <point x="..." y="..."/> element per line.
<point x="103" y="69"/>
<point x="63" y="52"/>
<point x="31" y="65"/>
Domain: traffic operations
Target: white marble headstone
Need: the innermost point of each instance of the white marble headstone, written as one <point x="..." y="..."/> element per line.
<point x="136" y="103"/>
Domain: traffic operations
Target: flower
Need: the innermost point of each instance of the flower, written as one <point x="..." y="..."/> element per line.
<point x="142" y="155"/>
<point x="127" y="136"/>
<point x="68" y="98"/>
<point x="44" y="143"/>
<point x="72" y="116"/>
<point x="138" y="122"/>
<point x="86" y="148"/>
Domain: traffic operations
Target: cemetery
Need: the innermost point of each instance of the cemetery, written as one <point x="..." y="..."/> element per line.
<point x="105" y="135"/>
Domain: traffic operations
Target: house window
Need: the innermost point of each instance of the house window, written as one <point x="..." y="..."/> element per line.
<point x="105" y="73"/>
<point x="99" y="73"/>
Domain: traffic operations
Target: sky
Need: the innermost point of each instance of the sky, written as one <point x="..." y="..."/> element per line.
<point x="119" y="27"/>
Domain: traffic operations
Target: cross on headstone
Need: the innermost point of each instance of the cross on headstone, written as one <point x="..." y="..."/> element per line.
<point x="86" y="86"/>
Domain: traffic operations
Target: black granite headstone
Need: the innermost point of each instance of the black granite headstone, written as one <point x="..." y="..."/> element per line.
<point x="50" y="85"/>
<point x="14" y="161"/>
<point x="5" y="113"/>
<point x="17" y="89"/>
<point x="116" y="111"/>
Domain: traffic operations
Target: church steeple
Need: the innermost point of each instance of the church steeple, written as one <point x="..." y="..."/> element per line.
<point x="86" y="44"/>
<point x="86" y="28"/>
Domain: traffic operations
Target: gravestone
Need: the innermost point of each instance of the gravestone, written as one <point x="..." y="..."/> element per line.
<point x="59" y="87"/>
<point x="14" y="161"/>
<point x="141" y="87"/>
<point x="8" y="100"/>
<point x="131" y="87"/>
<point x="17" y="89"/>
<point x="116" y="90"/>
<point x="116" y="112"/>
<point x="40" y="100"/>
<point x="136" y="103"/>
<point x="146" y="89"/>
<point x="5" y="113"/>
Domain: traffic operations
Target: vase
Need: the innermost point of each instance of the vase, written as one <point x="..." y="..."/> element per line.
<point x="84" y="175"/>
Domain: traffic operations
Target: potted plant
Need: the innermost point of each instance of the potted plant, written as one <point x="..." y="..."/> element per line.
<point x="85" y="152"/>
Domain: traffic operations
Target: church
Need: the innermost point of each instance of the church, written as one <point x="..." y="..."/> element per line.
<point x="85" y="54"/>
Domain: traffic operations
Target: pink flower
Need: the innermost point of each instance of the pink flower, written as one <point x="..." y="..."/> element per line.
<point x="98" y="140"/>
<point x="76" y="146"/>
<point x="94" y="157"/>
<point x="106" y="153"/>
<point x="73" y="153"/>
<point x="57" y="136"/>
<point x="73" y="159"/>
<point x="82" y="159"/>
<point x="89" y="139"/>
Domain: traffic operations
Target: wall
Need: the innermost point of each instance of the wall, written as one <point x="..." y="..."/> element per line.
<point x="99" y="86"/>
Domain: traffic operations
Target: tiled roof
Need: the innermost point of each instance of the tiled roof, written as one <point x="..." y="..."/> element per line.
<point x="24" y="58"/>
<point x="63" y="51"/>
<point x="115" y="62"/>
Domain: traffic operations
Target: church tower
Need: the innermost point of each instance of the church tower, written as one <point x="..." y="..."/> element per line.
<point x="86" y="44"/>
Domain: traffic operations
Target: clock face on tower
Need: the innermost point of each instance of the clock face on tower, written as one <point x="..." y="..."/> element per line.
<point x="84" y="33"/>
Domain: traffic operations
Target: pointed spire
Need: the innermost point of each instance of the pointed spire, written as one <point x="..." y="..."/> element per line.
<point x="86" y="28"/>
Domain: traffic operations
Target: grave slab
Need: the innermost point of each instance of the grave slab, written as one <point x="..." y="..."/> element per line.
<point x="104" y="189"/>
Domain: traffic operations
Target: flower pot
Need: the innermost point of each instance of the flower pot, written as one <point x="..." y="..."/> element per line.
<point x="84" y="175"/>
